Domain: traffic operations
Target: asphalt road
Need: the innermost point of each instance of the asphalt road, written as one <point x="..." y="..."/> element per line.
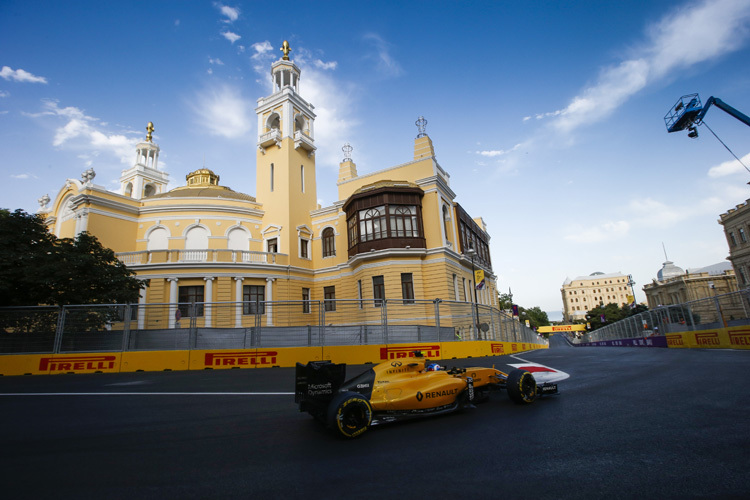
<point x="629" y="422"/>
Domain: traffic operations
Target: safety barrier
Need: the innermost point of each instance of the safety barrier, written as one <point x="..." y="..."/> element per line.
<point x="717" y="321"/>
<point x="225" y="359"/>
<point x="719" y="338"/>
<point x="177" y="336"/>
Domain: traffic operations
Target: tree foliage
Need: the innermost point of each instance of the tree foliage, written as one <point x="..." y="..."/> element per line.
<point x="38" y="268"/>
<point x="535" y="315"/>
<point x="612" y="313"/>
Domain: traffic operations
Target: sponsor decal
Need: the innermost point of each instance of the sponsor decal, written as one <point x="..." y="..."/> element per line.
<point x="675" y="340"/>
<point x="77" y="363"/>
<point x="514" y="347"/>
<point x="241" y="358"/>
<point x="439" y="394"/>
<point x="419" y="396"/>
<point x="497" y="348"/>
<point x="396" y="364"/>
<point x="707" y="339"/>
<point x="407" y="351"/>
<point x="740" y="337"/>
<point x="470" y="386"/>
<point x="319" y="389"/>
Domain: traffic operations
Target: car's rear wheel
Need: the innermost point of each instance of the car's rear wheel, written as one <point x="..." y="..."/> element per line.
<point x="349" y="414"/>
<point x="521" y="387"/>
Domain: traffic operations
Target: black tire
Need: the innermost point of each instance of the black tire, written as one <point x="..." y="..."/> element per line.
<point x="521" y="386"/>
<point x="349" y="414"/>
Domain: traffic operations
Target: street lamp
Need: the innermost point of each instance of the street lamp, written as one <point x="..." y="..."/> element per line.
<point x="632" y="289"/>
<point x="472" y="253"/>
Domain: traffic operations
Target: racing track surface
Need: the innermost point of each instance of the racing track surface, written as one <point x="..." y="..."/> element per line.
<point x="630" y="422"/>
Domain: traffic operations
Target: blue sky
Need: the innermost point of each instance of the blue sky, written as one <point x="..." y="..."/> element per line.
<point x="548" y="115"/>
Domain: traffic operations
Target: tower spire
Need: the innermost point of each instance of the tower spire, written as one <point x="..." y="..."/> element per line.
<point x="286" y="49"/>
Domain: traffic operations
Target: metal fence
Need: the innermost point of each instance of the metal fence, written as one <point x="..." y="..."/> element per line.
<point x="731" y="309"/>
<point x="241" y="325"/>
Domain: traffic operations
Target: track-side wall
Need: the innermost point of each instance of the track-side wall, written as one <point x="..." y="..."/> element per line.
<point x="223" y="359"/>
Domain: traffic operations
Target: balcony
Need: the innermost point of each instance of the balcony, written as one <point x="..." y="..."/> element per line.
<point x="181" y="257"/>
<point x="304" y="141"/>
<point x="269" y="139"/>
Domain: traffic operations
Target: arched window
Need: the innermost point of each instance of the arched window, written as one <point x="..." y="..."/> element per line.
<point x="372" y="224"/>
<point x="329" y="242"/>
<point x="404" y="221"/>
<point x="196" y="238"/>
<point x="149" y="190"/>
<point x="238" y="239"/>
<point x="158" y="239"/>
<point x="129" y="189"/>
<point x="273" y="122"/>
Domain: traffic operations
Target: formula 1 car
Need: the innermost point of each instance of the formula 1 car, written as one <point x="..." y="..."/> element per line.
<point x="407" y="388"/>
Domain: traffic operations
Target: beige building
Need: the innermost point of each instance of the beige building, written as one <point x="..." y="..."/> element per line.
<point x="673" y="285"/>
<point x="736" y="223"/>
<point x="396" y="233"/>
<point x="584" y="293"/>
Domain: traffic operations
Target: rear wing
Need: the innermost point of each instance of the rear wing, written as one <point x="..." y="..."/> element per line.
<point x="318" y="381"/>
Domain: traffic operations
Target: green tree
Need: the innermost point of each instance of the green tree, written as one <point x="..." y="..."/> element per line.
<point x="535" y="315"/>
<point x="38" y="268"/>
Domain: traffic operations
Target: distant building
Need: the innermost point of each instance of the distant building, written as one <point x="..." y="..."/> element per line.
<point x="672" y="285"/>
<point x="584" y="293"/>
<point x="736" y="224"/>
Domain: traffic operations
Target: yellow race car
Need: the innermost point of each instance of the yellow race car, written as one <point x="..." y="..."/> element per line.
<point x="402" y="389"/>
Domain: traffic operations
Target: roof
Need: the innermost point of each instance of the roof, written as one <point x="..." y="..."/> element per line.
<point x="204" y="192"/>
<point x="713" y="269"/>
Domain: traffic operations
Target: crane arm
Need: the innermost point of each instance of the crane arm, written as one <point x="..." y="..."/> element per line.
<point x="723" y="106"/>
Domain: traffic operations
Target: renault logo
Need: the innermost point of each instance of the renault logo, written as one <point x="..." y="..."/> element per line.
<point x="419" y="396"/>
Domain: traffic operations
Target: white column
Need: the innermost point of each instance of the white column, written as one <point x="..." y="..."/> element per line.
<point x="238" y="299"/>
<point x="172" y="301"/>
<point x="269" y="298"/>
<point x="142" y="308"/>
<point x="208" y="298"/>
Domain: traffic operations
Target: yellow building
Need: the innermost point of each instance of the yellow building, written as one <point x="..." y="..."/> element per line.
<point x="584" y="293"/>
<point x="393" y="234"/>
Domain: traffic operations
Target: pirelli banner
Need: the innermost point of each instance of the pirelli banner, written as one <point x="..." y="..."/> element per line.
<point x="721" y="338"/>
<point x="227" y="359"/>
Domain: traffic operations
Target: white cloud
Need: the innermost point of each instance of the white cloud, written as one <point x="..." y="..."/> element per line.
<point x="20" y="75"/>
<point x="700" y="32"/>
<point x="730" y="167"/>
<point x="216" y="61"/>
<point x="231" y="13"/>
<point x="223" y="111"/>
<point x="386" y="64"/>
<point x="4" y="94"/>
<point x="608" y="231"/>
<point x="325" y="65"/>
<point x="232" y="37"/>
<point x="498" y="152"/>
<point x="23" y="176"/>
<point x="261" y="49"/>
<point x="87" y="134"/>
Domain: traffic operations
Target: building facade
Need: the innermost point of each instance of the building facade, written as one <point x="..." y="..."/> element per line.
<point x="397" y="233"/>
<point x="736" y="224"/>
<point x="673" y="285"/>
<point x="584" y="293"/>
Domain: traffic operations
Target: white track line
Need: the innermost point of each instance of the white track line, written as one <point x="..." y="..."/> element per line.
<point x="147" y="394"/>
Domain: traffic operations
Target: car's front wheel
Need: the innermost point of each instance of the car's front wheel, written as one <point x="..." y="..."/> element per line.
<point x="521" y="387"/>
<point x="349" y="414"/>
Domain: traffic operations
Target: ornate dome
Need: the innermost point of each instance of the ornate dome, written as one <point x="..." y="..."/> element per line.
<point x="669" y="270"/>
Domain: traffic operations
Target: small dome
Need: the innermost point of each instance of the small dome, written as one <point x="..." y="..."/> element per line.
<point x="598" y="273"/>
<point x="669" y="270"/>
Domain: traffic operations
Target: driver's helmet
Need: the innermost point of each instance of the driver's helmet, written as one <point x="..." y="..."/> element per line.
<point x="432" y="367"/>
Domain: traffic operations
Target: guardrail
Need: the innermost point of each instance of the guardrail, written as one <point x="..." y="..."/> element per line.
<point x="720" y="311"/>
<point x="245" y="325"/>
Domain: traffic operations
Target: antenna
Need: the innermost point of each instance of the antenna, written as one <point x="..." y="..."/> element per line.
<point x="665" y="251"/>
